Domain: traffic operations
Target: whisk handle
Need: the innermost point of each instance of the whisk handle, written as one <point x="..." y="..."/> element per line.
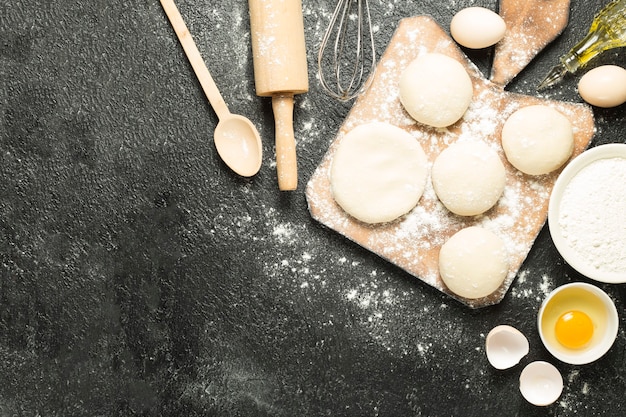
<point x="286" y="162"/>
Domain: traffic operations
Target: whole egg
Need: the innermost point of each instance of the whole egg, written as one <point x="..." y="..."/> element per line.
<point x="477" y="27"/>
<point x="604" y="86"/>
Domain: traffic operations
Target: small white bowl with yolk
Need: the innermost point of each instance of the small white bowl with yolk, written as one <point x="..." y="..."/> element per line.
<point x="578" y="323"/>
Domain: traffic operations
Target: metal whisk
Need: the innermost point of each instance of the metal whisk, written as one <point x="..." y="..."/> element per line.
<point x="350" y="29"/>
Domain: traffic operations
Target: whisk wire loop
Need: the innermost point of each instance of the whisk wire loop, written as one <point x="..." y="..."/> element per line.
<point x="350" y="77"/>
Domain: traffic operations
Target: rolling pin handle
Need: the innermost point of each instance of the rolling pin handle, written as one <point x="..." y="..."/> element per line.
<point x="286" y="161"/>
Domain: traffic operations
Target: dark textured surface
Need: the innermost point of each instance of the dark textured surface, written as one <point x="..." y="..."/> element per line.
<point x="139" y="276"/>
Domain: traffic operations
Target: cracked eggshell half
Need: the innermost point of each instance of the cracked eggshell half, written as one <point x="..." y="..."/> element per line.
<point x="505" y="346"/>
<point x="541" y="383"/>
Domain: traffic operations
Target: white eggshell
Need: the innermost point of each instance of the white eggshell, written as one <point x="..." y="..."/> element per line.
<point x="505" y="346"/>
<point x="541" y="383"/>
<point x="604" y="86"/>
<point x="477" y="27"/>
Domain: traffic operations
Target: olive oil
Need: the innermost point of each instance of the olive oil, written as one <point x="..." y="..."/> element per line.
<point x="607" y="31"/>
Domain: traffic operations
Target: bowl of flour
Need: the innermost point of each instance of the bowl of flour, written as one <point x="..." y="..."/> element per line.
<point x="587" y="213"/>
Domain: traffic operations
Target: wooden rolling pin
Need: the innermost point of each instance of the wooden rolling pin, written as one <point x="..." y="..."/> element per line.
<point x="280" y="71"/>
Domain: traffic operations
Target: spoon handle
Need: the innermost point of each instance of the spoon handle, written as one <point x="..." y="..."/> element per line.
<point x="202" y="72"/>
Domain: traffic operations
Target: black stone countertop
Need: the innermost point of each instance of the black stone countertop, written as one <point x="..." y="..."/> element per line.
<point x="140" y="277"/>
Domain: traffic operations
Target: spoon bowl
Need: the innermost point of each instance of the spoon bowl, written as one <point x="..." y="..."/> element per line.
<point x="239" y="145"/>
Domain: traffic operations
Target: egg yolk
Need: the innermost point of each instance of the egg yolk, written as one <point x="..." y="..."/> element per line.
<point x="573" y="329"/>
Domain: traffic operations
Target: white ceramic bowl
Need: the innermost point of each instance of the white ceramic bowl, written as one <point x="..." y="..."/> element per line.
<point x="573" y="257"/>
<point x="592" y="301"/>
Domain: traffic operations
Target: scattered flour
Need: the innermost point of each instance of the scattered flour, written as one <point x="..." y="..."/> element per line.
<point x="527" y="286"/>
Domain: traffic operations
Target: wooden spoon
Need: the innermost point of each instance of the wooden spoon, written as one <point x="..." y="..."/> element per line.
<point x="237" y="141"/>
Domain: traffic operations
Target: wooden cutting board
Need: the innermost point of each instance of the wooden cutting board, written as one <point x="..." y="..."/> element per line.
<point x="413" y="241"/>
<point x="530" y="26"/>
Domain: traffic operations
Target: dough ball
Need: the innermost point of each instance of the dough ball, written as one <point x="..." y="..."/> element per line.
<point x="473" y="263"/>
<point x="435" y="89"/>
<point x="468" y="178"/>
<point x="537" y="139"/>
<point x="378" y="173"/>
